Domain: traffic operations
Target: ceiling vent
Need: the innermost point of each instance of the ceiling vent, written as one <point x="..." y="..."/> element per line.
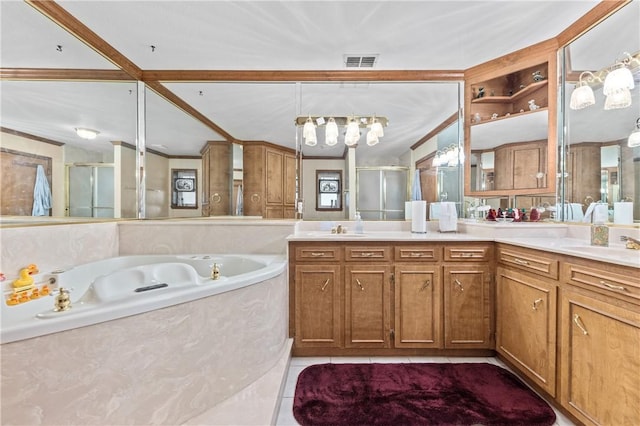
<point x="360" y="61"/>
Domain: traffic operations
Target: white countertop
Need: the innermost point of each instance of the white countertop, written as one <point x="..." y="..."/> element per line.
<point x="555" y="238"/>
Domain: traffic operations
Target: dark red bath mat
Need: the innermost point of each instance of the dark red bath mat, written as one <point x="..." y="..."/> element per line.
<point x="416" y="394"/>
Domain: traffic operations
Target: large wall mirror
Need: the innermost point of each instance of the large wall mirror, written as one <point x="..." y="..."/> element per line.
<point x="599" y="165"/>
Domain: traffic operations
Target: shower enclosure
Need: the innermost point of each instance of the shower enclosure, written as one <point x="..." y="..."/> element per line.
<point x="89" y="190"/>
<point x="382" y="192"/>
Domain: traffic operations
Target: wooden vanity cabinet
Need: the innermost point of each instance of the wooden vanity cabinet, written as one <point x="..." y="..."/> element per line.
<point x="600" y="342"/>
<point x="526" y="304"/>
<point x="318" y="290"/>
<point x="467" y="288"/>
<point x="417" y="297"/>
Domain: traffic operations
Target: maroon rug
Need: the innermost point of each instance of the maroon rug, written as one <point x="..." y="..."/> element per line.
<point x="416" y="394"/>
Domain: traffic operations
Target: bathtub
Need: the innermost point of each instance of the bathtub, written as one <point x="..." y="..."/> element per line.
<point x="163" y="355"/>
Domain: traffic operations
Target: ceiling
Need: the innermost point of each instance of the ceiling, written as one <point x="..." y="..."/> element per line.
<point x="260" y="35"/>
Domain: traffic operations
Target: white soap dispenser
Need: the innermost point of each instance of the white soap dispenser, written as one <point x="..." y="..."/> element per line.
<point x="359" y="224"/>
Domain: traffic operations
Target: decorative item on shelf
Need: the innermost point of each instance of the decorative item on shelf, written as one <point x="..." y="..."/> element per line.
<point x="582" y="96"/>
<point x="494" y="115"/>
<point x="634" y="137"/>
<point x="532" y="105"/>
<point x="480" y="93"/>
<point x="537" y="76"/>
<point x="534" y="215"/>
<point x="477" y="118"/>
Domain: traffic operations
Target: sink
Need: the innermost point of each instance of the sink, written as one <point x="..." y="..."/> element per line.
<point x="618" y="252"/>
<point x="330" y="235"/>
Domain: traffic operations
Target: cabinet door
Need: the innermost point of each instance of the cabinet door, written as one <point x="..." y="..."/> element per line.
<point x="526" y="325"/>
<point x="467" y="306"/>
<point x="318" y="290"/>
<point x="418" y="306"/>
<point x="367" y="306"/>
<point x="600" y="361"/>
<point x="289" y="180"/>
<point x="274" y="169"/>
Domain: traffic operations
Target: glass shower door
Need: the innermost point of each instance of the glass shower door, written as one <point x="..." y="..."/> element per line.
<point x="90" y="190"/>
<point x="381" y="192"/>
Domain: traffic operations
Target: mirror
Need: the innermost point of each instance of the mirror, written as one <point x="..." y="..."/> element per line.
<point x="598" y="164"/>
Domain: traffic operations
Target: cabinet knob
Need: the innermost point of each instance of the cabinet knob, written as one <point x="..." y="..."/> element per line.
<point x="536" y="303"/>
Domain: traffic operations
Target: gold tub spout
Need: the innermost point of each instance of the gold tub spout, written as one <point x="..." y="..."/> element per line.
<point x="62" y="300"/>
<point x="632" y="243"/>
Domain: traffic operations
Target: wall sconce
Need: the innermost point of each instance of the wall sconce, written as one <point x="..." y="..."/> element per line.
<point x="87" y="133"/>
<point x="618" y="84"/>
<point x="634" y="137"/>
<point x="449" y="157"/>
<point x="582" y="95"/>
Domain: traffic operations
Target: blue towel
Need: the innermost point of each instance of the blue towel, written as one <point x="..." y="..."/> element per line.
<point x="416" y="190"/>
<point x="41" y="194"/>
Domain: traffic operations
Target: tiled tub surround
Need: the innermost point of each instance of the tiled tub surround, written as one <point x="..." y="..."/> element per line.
<point x="161" y="367"/>
<point x="195" y="362"/>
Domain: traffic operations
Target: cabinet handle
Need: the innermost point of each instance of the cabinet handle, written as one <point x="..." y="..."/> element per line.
<point x="611" y="286"/>
<point x="459" y="284"/>
<point x="216" y="198"/>
<point x="416" y="254"/>
<point x="317" y="254"/>
<point x="426" y="284"/>
<point x="578" y="321"/>
<point x="465" y="254"/>
<point x="255" y="198"/>
<point x="520" y="261"/>
<point x="359" y="284"/>
<point x="536" y="303"/>
<point x="326" y="283"/>
<point x="366" y="254"/>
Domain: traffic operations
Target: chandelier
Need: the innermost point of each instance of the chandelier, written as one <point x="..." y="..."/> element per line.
<point x="352" y="125"/>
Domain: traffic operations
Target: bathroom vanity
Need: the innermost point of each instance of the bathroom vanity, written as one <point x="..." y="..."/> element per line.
<point x="564" y="314"/>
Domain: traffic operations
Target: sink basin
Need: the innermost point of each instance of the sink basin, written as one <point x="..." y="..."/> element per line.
<point x="330" y="235"/>
<point x="617" y="252"/>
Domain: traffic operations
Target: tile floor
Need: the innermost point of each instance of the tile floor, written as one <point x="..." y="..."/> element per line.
<point x="285" y="416"/>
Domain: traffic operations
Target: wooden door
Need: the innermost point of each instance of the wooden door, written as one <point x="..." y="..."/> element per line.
<point x="18" y="179"/>
<point x="418" y="306"/>
<point x="367" y="306"/>
<point x="600" y="361"/>
<point x="318" y="290"/>
<point x="274" y="170"/>
<point x="467" y="308"/>
<point x="526" y="325"/>
<point x="253" y="180"/>
<point x="528" y="160"/>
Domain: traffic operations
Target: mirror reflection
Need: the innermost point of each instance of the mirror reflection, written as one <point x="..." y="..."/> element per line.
<point x="600" y="166"/>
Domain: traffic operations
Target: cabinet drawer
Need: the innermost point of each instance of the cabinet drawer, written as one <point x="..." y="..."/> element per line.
<point x="607" y="280"/>
<point x="467" y="253"/>
<point x="417" y="253"/>
<point x="361" y="253"/>
<point x="318" y="253"/>
<point x="533" y="261"/>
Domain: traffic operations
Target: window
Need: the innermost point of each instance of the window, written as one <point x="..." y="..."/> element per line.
<point x="329" y="190"/>
<point x="184" y="191"/>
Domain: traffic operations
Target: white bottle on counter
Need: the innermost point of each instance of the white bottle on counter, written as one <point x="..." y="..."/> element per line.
<point x="359" y="224"/>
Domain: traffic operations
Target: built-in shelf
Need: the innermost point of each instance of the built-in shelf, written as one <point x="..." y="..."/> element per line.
<point x="516" y="96"/>
<point x="512" y="115"/>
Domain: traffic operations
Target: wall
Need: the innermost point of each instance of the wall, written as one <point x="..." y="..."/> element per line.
<point x="55" y="152"/>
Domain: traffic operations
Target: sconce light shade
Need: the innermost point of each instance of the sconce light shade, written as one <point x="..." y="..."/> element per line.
<point x="582" y="95"/>
<point x="634" y="137"/>
<point x="618" y="79"/>
<point x="377" y="128"/>
<point x="372" y="138"/>
<point x="309" y="133"/>
<point x="331" y="132"/>
<point x="618" y="99"/>
<point x="87" y="133"/>
<point x="353" y="133"/>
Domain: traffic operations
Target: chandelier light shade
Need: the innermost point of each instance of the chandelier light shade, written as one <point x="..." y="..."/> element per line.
<point x="353" y="133"/>
<point x="634" y="137"/>
<point x="449" y="157"/>
<point x="87" y="133"/>
<point x="582" y="95"/>
<point x="377" y="128"/>
<point x="331" y="132"/>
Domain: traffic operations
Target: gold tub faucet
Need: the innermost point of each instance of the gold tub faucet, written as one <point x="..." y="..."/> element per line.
<point x="632" y="243"/>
